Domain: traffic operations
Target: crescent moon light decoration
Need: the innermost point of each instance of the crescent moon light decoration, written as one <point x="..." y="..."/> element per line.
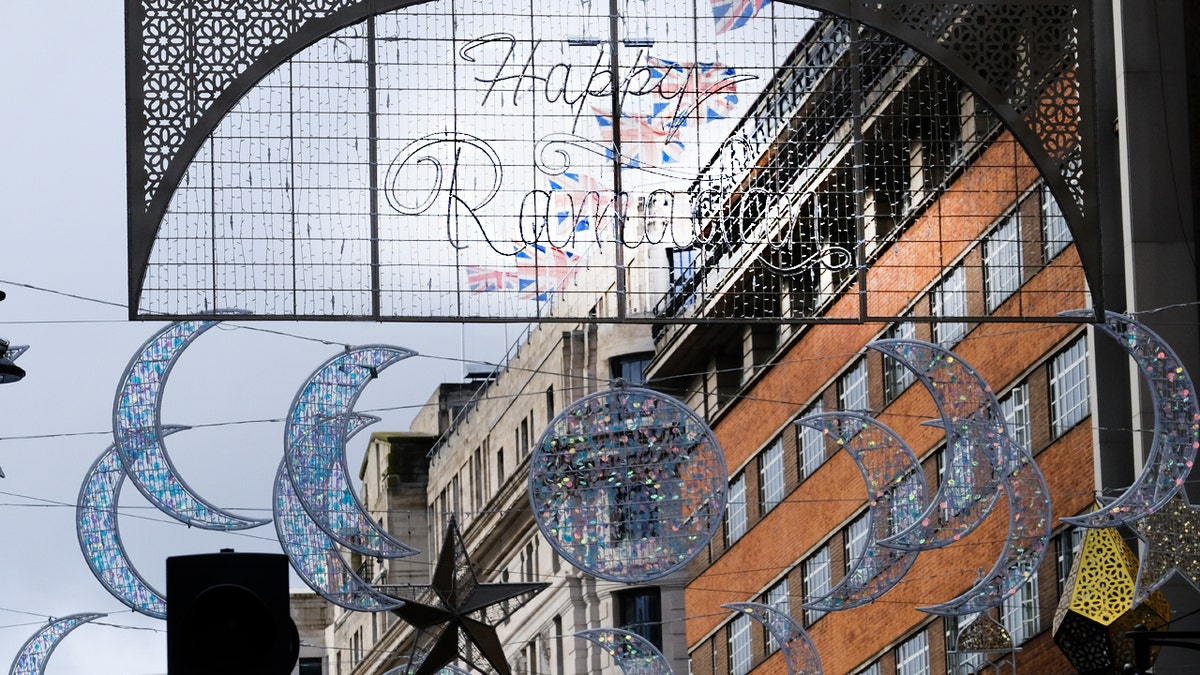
<point x="897" y="496"/>
<point x="628" y="484"/>
<point x="976" y="429"/>
<point x="100" y="536"/>
<point x="798" y="649"/>
<point x="1176" y="423"/>
<point x="315" y="556"/>
<point x="318" y="425"/>
<point x="634" y="654"/>
<point x="32" y="658"/>
<point x="138" y="432"/>
<point x="971" y="478"/>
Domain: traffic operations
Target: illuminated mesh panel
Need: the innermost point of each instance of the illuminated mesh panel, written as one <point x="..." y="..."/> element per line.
<point x="463" y="159"/>
<point x="138" y="432"/>
<point x="319" y="422"/>
<point x="799" y="651"/>
<point x="100" y="537"/>
<point x="628" y="484"/>
<point x="32" y="658"/>
<point x="316" y="558"/>
<point x="633" y="653"/>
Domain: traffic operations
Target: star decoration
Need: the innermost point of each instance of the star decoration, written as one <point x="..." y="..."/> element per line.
<point x="1172" y="536"/>
<point x="455" y="616"/>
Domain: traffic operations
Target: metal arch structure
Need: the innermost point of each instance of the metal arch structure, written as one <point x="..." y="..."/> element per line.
<point x="188" y="66"/>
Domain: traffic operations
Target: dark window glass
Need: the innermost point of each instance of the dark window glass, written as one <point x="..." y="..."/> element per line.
<point x="640" y="611"/>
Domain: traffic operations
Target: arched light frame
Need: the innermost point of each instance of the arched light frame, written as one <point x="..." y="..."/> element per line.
<point x="1049" y="101"/>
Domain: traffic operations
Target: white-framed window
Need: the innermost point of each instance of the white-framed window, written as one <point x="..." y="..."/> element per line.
<point x="912" y="656"/>
<point x="1002" y="261"/>
<point x="949" y="300"/>
<point x="1069" y="387"/>
<point x="740" y="656"/>
<point x="771" y="475"/>
<point x="858" y="533"/>
<point x="1055" y="233"/>
<point x="873" y="669"/>
<point x="777" y="597"/>
<point x="735" y="512"/>
<point x="811" y="444"/>
<point x="896" y="376"/>
<point x="817" y="581"/>
<point x="1021" y="614"/>
<point x="1015" y="407"/>
<point x="1067" y="547"/>
<point x="853" y="390"/>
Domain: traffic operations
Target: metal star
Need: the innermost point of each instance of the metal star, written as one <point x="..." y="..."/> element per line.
<point x="455" y="616"/>
<point x="1172" y="536"/>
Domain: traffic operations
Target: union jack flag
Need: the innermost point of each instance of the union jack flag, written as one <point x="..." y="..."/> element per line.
<point x="575" y="199"/>
<point x="733" y="14"/>
<point x="542" y="269"/>
<point x="644" y="142"/>
<point x="483" y="279"/>
<point x="684" y="87"/>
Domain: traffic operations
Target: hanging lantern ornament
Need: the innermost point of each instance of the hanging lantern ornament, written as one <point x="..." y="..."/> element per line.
<point x="628" y="484"/>
<point x="1097" y="607"/>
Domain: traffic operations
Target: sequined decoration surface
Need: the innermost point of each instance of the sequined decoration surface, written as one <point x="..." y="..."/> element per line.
<point x="318" y="424"/>
<point x="1172" y="536"/>
<point x="628" y="484"/>
<point x="138" y="432"/>
<point x="1176" y="423"/>
<point x="32" y="658"/>
<point x="633" y="653"/>
<point x="897" y="494"/>
<point x="799" y="651"/>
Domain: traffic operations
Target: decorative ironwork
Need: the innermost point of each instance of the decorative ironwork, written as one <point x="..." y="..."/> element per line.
<point x="138" y="432"/>
<point x="984" y="634"/>
<point x="455" y="616"/>
<point x="897" y="497"/>
<point x="32" y="658"/>
<point x="749" y="167"/>
<point x="634" y="654"/>
<point x="316" y="558"/>
<point x="799" y="651"/>
<point x="100" y="537"/>
<point x="628" y="484"/>
<point x="319" y="422"/>
<point x="1097" y="608"/>
<point x="1176" y="424"/>
<point x="1172" y="536"/>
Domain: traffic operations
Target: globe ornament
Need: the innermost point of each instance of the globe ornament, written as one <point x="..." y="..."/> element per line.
<point x="628" y="484"/>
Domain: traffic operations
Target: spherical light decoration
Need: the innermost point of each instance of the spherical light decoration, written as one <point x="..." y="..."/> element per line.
<point x="628" y="484"/>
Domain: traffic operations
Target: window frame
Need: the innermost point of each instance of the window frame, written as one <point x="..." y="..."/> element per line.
<point x="952" y="286"/>
<point x="912" y="655"/>
<point x="854" y="387"/>
<point x="1003" y="264"/>
<point x="818" y="580"/>
<point x="735" y="511"/>
<point x="1056" y="233"/>
<point x="741" y="651"/>
<point x="810" y="445"/>
<point x="897" y="377"/>
<point x="1020" y="613"/>
<point x="1070" y="405"/>
<point x="772" y="483"/>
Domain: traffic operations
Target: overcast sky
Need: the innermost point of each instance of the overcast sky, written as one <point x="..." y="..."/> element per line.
<point x="62" y="186"/>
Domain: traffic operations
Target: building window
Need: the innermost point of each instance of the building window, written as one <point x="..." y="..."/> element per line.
<point x="1021" y="613"/>
<point x="896" y="376"/>
<point x="739" y="645"/>
<point x="550" y="402"/>
<point x="735" y="513"/>
<point x="310" y="665"/>
<point x="853" y="392"/>
<point x="817" y="581"/>
<point x="950" y="300"/>
<point x="777" y="597"/>
<point x="811" y="444"/>
<point x="1069" y="388"/>
<point x="1055" y="233"/>
<point x="771" y="476"/>
<point x="858" y="533"/>
<point x="873" y="669"/>
<point x="912" y="656"/>
<point x="1067" y="547"/>
<point x="500" y="467"/>
<point x="1002" y="261"/>
<point x="640" y="611"/>
<point x="1015" y="407"/>
<point x="631" y="367"/>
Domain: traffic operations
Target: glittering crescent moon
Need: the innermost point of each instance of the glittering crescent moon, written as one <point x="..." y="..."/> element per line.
<point x="971" y="478"/>
<point x="634" y="654"/>
<point x="1029" y="523"/>
<point x="318" y="426"/>
<point x="100" y="536"/>
<point x="1176" y="423"/>
<point x="32" y="658"/>
<point x="315" y="556"/>
<point x="798" y="649"/>
<point x="897" y="496"/>
<point x="138" y="432"/>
